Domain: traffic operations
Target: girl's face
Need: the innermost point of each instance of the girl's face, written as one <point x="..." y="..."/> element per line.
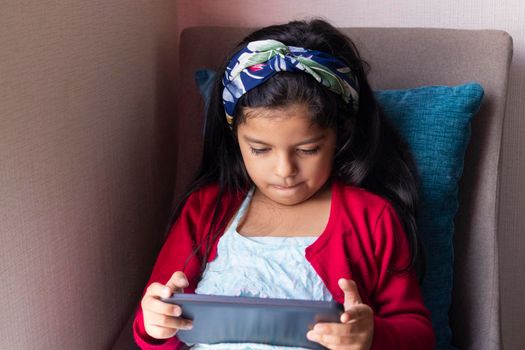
<point x="287" y="157"/>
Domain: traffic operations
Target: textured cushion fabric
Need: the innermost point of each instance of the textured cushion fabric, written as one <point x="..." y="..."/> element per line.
<point x="435" y="122"/>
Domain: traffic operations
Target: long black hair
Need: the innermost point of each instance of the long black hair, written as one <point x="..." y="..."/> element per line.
<point x="369" y="152"/>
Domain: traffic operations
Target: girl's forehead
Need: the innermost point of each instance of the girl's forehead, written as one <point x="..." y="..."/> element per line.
<point x="295" y="115"/>
<point x="280" y="125"/>
<point x="295" y="109"/>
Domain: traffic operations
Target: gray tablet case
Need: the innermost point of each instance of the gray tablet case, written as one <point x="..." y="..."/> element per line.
<point x="227" y="319"/>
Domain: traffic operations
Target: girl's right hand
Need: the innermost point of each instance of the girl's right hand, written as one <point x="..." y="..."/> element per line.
<point x="162" y="320"/>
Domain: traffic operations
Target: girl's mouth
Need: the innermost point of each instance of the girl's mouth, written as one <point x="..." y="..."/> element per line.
<point x="279" y="187"/>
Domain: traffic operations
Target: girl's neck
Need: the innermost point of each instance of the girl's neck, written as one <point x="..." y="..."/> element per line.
<point x="267" y="218"/>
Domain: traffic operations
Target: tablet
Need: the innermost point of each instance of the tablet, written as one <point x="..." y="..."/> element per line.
<point x="228" y="319"/>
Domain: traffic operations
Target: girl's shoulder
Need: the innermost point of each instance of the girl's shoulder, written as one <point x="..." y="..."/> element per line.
<point x="360" y="196"/>
<point x="205" y="200"/>
<point x="360" y="200"/>
<point x="357" y="206"/>
<point x="205" y="192"/>
<point x="210" y="192"/>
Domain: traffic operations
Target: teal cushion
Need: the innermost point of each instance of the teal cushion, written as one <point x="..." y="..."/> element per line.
<point x="435" y="122"/>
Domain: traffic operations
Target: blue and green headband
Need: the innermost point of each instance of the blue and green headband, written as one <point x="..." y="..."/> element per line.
<point x="260" y="60"/>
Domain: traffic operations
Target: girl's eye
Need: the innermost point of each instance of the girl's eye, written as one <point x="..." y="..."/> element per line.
<point x="309" y="151"/>
<point x="258" y="151"/>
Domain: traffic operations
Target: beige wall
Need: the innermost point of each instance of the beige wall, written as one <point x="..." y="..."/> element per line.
<point x="84" y="113"/>
<point x="508" y="15"/>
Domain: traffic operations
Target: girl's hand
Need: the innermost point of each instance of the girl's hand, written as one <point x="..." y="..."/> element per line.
<point x="357" y="323"/>
<point x="162" y="320"/>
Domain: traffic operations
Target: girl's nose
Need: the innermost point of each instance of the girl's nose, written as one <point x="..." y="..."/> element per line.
<point x="285" y="166"/>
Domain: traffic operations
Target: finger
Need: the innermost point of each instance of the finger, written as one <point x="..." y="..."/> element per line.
<point x="172" y="322"/>
<point x="328" y="340"/>
<point x="158" y="290"/>
<point x="332" y="328"/>
<point x="355" y="313"/>
<point x="345" y="317"/>
<point x="177" y="282"/>
<point x="352" y="296"/>
<point x="155" y="305"/>
<point x="159" y="332"/>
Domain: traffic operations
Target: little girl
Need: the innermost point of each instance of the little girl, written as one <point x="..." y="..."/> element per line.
<point x="304" y="191"/>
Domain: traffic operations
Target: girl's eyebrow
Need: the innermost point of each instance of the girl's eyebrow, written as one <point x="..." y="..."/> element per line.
<point x="311" y="140"/>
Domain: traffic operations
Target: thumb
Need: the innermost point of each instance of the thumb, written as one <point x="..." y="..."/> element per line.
<point x="177" y="282"/>
<point x="352" y="296"/>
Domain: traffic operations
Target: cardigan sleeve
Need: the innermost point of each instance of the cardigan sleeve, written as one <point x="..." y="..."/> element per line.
<point x="177" y="248"/>
<point x="401" y="320"/>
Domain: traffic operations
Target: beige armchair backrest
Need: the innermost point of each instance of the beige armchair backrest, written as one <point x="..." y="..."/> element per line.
<point x="402" y="58"/>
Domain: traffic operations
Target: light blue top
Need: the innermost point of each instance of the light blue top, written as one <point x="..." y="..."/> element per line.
<point x="266" y="267"/>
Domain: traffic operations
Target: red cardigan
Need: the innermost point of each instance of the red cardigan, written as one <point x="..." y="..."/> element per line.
<point x="362" y="241"/>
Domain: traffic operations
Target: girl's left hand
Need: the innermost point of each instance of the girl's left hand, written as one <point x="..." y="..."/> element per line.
<point x="357" y="323"/>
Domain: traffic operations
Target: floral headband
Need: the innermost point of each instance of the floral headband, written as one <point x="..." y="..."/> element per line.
<point x="262" y="59"/>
